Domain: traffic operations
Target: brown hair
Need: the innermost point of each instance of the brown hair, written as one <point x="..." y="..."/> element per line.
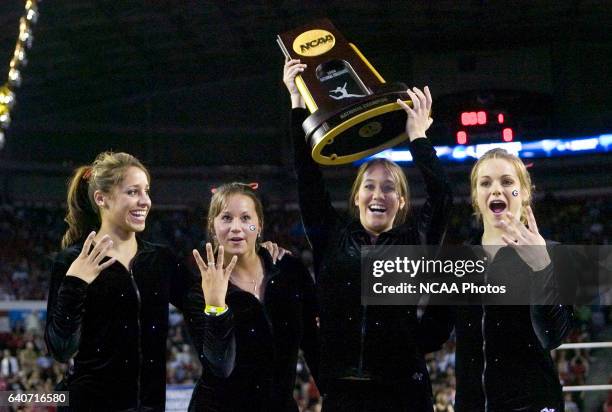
<point x="106" y="172"/>
<point x="219" y="202"/>
<point x="521" y="172"/>
<point x="401" y="184"/>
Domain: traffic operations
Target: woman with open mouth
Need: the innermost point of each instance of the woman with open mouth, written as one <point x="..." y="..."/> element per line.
<point x="110" y="290"/>
<point x="257" y="315"/>
<point x="372" y="357"/>
<point x="503" y="358"/>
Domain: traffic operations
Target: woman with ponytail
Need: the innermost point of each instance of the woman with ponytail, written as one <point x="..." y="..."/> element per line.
<point x="109" y="293"/>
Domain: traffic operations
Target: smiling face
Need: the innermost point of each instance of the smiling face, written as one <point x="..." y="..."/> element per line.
<point x="499" y="190"/>
<point x="127" y="205"/>
<point x="378" y="200"/>
<point x="237" y="226"/>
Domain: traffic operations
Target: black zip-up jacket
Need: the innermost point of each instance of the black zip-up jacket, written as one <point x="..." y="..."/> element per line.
<point x="503" y="360"/>
<point x="115" y="328"/>
<point x="377" y="342"/>
<point x="249" y="354"/>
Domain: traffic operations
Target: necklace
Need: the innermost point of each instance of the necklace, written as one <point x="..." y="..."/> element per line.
<point x="255" y="283"/>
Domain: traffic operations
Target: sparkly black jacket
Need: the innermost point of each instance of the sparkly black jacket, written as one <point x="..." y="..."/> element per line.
<point x="503" y="360"/>
<point x="502" y="357"/>
<point x="115" y="328"/>
<point x="249" y="354"/>
<point x="380" y="342"/>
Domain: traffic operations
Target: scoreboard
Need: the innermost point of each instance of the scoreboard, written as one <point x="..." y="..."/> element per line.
<point x="482" y="124"/>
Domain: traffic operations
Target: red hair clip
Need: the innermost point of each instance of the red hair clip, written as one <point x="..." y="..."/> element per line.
<point x="529" y="165"/>
<point x="87" y="173"/>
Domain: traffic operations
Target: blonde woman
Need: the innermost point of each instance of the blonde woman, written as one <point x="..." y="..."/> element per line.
<point x="503" y="358"/>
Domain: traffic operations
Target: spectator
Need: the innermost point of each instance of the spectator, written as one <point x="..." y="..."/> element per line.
<point x="9" y="366"/>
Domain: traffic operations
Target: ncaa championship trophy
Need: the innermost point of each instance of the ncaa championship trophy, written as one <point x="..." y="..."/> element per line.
<point x="353" y="111"/>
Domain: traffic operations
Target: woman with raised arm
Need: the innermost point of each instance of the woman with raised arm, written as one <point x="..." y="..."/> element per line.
<point x="110" y="290"/>
<point x="372" y="357"/>
<point x="257" y="314"/>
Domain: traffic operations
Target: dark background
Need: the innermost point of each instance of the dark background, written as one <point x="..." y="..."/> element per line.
<point x="191" y="86"/>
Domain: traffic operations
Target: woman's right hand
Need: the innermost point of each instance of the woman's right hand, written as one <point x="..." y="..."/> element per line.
<point x="215" y="279"/>
<point x="291" y="69"/>
<point x="87" y="265"/>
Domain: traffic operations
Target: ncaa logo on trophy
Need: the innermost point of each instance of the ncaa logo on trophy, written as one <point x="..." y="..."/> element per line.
<point x="353" y="110"/>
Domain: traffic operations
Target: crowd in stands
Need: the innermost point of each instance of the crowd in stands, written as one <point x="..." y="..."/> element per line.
<point x="30" y="235"/>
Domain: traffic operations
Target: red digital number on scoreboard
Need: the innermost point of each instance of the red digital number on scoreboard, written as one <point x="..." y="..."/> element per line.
<point x="481" y="118"/>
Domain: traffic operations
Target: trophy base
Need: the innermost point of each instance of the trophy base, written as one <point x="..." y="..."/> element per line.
<point x="368" y="126"/>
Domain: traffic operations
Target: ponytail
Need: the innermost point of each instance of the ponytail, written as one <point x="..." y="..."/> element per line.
<point x="82" y="218"/>
<point x="105" y="173"/>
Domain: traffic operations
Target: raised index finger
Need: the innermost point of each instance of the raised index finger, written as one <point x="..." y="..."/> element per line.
<point x="199" y="261"/>
<point x="87" y="244"/>
<point x="230" y="267"/>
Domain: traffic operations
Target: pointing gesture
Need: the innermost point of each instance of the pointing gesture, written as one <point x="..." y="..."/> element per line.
<point x="215" y="278"/>
<point x="87" y="265"/>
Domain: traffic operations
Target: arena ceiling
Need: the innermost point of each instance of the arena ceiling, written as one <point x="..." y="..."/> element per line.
<point x="140" y="75"/>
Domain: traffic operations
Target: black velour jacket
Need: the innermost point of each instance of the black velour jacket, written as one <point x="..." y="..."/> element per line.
<point x="249" y="354"/>
<point x="503" y="360"/>
<point x="381" y="343"/>
<point x="115" y="328"/>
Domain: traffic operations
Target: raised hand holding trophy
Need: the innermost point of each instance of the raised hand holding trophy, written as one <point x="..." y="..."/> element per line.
<point x="354" y="112"/>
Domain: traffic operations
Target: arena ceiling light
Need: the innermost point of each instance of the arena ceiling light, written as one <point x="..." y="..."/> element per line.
<point x="19" y="60"/>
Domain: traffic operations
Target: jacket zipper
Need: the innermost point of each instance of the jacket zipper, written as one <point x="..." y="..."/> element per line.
<point x="484" y="357"/>
<point x="364" y="313"/>
<point x="139" y="327"/>
<point x="484" y="348"/>
<point x="364" y="329"/>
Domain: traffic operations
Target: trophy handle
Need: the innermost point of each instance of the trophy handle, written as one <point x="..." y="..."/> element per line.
<point x="299" y="82"/>
<point x="366" y="62"/>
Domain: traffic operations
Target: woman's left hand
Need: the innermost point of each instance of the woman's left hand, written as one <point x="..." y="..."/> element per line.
<point x="418" y="120"/>
<point x="523" y="238"/>
<point x="275" y="251"/>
